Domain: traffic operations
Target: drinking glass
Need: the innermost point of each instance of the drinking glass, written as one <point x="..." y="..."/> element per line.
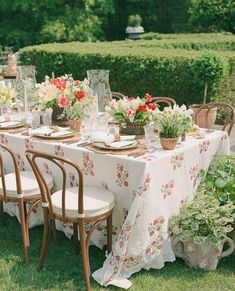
<point x="102" y="123"/>
<point x="150" y="136"/>
<point x="47" y="117"/>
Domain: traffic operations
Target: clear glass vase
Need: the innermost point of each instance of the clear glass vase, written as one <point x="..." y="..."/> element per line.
<point x="25" y="86"/>
<point x="99" y="83"/>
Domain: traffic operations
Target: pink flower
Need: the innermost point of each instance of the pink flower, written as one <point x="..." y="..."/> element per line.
<point x="130" y="112"/>
<point x="152" y="106"/>
<point x="148" y="98"/>
<point x="60" y="84"/>
<point x="64" y="101"/>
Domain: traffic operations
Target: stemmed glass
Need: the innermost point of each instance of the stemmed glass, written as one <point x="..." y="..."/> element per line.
<point x="150" y="137"/>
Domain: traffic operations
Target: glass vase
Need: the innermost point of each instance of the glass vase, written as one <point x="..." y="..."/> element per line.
<point x="25" y="86"/>
<point x="99" y="83"/>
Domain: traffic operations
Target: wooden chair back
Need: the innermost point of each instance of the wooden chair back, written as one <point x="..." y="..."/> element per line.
<point x="167" y="100"/>
<point x="33" y="157"/>
<point x="13" y="157"/>
<point x="118" y="95"/>
<point x="227" y="123"/>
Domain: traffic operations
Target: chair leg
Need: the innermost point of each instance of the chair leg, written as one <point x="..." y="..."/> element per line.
<point x="45" y="239"/>
<point x="85" y="259"/>
<point x="75" y="237"/>
<point x="1" y="213"/>
<point x="109" y="233"/>
<point x="23" y="229"/>
<point x="53" y="230"/>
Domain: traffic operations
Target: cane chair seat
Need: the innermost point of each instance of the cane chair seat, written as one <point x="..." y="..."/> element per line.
<point x="29" y="184"/>
<point x="96" y="201"/>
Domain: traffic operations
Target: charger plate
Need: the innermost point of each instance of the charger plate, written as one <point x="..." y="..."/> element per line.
<point x="13" y="126"/>
<point x="103" y="146"/>
<point x="139" y="150"/>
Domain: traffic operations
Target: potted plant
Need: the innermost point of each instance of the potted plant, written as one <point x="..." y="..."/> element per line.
<point x="207" y="70"/>
<point x="70" y="99"/>
<point x="201" y="227"/>
<point x="169" y="125"/>
<point x="131" y="113"/>
<point x="134" y="28"/>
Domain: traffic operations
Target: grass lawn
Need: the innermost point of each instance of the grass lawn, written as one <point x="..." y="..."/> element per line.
<point x="63" y="269"/>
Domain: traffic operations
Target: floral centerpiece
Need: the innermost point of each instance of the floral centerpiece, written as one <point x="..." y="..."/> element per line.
<point x="74" y="98"/>
<point x="7" y="93"/>
<point x="131" y="113"/>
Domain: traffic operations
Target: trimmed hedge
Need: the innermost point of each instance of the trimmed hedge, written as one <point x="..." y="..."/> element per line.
<point x="136" y="67"/>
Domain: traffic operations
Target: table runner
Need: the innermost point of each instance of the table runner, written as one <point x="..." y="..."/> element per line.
<point x="148" y="190"/>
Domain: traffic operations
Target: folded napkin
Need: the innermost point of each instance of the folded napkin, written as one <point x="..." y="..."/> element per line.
<point x="120" y="144"/>
<point x="9" y="123"/>
<point x="49" y="131"/>
<point x="100" y="136"/>
<point x="5" y="118"/>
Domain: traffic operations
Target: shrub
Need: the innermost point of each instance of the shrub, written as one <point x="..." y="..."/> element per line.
<point x="134" y="67"/>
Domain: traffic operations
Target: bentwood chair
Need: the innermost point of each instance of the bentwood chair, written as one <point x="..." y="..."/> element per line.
<point x="77" y="205"/>
<point x="117" y="95"/>
<point x="20" y="187"/>
<point x="167" y="100"/>
<point x="205" y="116"/>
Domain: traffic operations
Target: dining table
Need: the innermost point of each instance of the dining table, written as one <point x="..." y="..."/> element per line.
<point x="149" y="188"/>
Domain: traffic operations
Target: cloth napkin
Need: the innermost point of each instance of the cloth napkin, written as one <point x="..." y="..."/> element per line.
<point x="100" y="136"/>
<point x="120" y="144"/>
<point x="48" y="131"/>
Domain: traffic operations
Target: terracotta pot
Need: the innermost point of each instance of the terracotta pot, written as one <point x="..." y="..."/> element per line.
<point x="75" y="124"/>
<point x="203" y="120"/>
<point x="203" y="256"/>
<point x="168" y="143"/>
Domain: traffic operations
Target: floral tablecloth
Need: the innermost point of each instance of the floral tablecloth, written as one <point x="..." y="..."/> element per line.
<point x="148" y="190"/>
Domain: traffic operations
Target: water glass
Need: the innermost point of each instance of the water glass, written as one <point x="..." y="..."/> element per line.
<point x="113" y="129"/>
<point x="150" y="136"/>
<point x="102" y="123"/>
<point x="47" y="117"/>
<point x="35" y="119"/>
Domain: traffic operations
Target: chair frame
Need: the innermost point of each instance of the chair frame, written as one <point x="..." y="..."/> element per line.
<point x="20" y="199"/>
<point x="229" y="124"/>
<point x="117" y="95"/>
<point x="167" y="100"/>
<point x="49" y="215"/>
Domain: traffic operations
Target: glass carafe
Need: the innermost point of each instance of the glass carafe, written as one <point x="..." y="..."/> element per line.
<point x="25" y="86"/>
<point x="99" y="83"/>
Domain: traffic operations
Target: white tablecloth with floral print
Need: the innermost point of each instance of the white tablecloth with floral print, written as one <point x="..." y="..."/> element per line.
<point x="148" y="190"/>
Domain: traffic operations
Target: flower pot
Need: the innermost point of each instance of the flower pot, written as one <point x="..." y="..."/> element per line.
<point x="132" y="129"/>
<point x="55" y="117"/>
<point x="75" y="124"/>
<point x="168" y="143"/>
<point x="206" y="118"/>
<point x="203" y="256"/>
<point x="134" y="32"/>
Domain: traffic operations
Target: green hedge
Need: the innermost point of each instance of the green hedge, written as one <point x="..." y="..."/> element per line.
<point x="136" y="67"/>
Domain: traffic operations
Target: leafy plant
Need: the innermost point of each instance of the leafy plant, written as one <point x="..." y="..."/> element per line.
<point x="220" y="179"/>
<point x="134" y="20"/>
<point x="203" y="218"/>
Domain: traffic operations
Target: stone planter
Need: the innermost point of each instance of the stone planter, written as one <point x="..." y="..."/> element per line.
<point x="134" y="32"/>
<point x="75" y="124"/>
<point x="203" y="256"/>
<point x="168" y="143"/>
<point x="206" y="118"/>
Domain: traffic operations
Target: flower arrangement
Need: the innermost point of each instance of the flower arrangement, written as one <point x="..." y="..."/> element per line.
<point x="203" y="218"/>
<point x="7" y="93"/>
<point x="173" y="122"/>
<point x="74" y="96"/>
<point x="131" y="110"/>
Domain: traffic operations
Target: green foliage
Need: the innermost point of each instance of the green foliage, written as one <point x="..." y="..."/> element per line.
<point x="134" y="20"/>
<point x="212" y="15"/>
<point x="220" y="179"/>
<point x="203" y="218"/>
<point x="137" y="67"/>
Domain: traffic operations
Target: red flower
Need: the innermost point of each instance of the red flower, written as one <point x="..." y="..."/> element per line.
<point x="79" y="95"/>
<point x="152" y="106"/>
<point x="60" y="84"/>
<point x="148" y="98"/>
<point x="143" y="108"/>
